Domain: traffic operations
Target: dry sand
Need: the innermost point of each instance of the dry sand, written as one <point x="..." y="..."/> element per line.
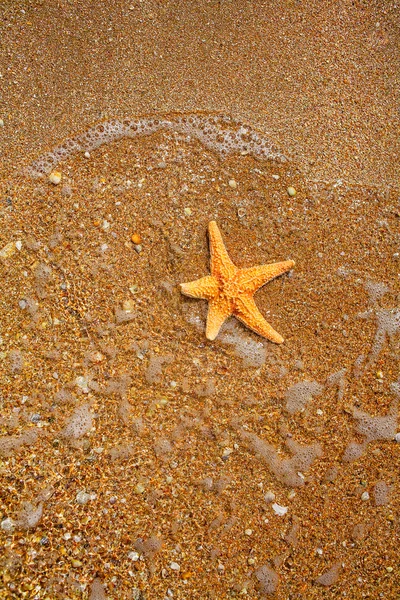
<point x="139" y="460"/>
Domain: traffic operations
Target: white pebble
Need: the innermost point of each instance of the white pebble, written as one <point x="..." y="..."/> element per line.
<point x="365" y="496"/>
<point x="18" y="244"/>
<point x="232" y="184"/>
<point x="87" y="154"/>
<point x="291" y="191"/>
<point x="397" y="437"/>
<point x="280" y="510"/>
<point x="276" y="177"/>
<point x="174" y="566"/>
<point x="1" y="123"/>
<point x="82" y="497"/>
<point x="248" y="531"/>
<point x="7" y="525"/>
<point x="133" y="556"/>
<point x="269" y="496"/>
<point x="55" y="177"/>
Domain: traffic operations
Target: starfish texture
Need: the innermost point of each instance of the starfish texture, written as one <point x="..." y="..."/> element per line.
<point x="230" y="290"/>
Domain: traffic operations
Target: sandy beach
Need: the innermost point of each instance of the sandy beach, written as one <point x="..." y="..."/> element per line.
<point x="138" y="459"/>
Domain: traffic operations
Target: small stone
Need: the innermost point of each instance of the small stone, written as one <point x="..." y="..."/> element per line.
<point x="1" y="123"/>
<point x="269" y="496"/>
<point x="133" y="556"/>
<point x="389" y="569"/>
<point x="251" y="561"/>
<point x="8" y="250"/>
<point x="103" y="247"/>
<point x="397" y="437"/>
<point x="55" y="177"/>
<point x="18" y="245"/>
<point x="7" y="525"/>
<point x="82" y="497"/>
<point x="139" y="488"/>
<point x="22" y="304"/>
<point x="138" y="248"/>
<point x="232" y="184"/>
<point x="291" y="191"/>
<point x="279" y="510"/>
<point x="365" y="496"/>
<point x="276" y="177"/>
<point x="76" y="563"/>
<point x="87" y="154"/>
<point x="248" y="531"/>
<point x="187" y="211"/>
<point x="227" y="452"/>
<point x="136" y="238"/>
<point x="174" y="566"/>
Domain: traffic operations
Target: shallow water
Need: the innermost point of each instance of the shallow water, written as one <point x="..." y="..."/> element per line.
<point x="136" y="454"/>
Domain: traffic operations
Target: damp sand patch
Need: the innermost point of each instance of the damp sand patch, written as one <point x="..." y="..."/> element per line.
<point x="206" y="468"/>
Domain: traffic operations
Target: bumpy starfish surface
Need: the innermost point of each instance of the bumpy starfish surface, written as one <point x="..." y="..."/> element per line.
<point x="230" y="290"/>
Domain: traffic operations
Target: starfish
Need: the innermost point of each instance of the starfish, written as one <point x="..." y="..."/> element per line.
<point x="229" y="290"/>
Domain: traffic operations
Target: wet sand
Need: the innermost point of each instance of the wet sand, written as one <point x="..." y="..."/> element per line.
<point x="138" y="459"/>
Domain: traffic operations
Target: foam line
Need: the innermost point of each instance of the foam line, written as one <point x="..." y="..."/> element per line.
<point x="220" y="133"/>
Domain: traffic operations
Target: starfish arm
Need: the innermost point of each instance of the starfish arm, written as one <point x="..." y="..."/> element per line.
<point x="247" y="312"/>
<point x="218" y="311"/>
<point x="250" y="280"/>
<point x="221" y="264"/>
<point x="206" y="288"/>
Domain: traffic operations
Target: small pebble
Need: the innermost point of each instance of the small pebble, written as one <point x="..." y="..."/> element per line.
<point x="138" y="248"/>
<point x="269" y="496"/>
<point x="227" y="452"/>
<point x="82" y="497"/>
<point x="389" y="569"/>
<point x="365" y="496"/>
<point x="8" y="250"/>
<point x="291" y="191"/>
<point x="55" y="177"/>
<point x="133" y="556"/>
<point x="174" y="566"/>
<point x="87" y="154"/>
<point x="248" y="531"/>
<point x="397" y="437"/>
<point x="7" y="525"/>
<point x="276" y="177"/>
<point x="187" y="211"/>
<point x="18" y="244"/>
<point x="280" y="510"/>
<point x="1" y="123"/>
<point x="22" y="304"/>
<point x="232" y="184"/>
<point x="136" y="239"/>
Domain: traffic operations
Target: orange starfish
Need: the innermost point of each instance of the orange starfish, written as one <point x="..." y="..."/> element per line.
<point x="230" y="290"/>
